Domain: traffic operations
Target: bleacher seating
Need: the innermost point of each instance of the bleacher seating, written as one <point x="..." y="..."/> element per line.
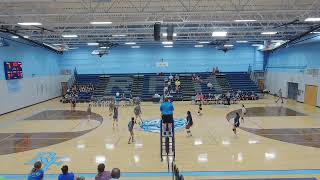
<point x="86" y="79"/>
<point x="122" y="85"/>
<point x="242" y="82"/>
<point x="152" y="84"/>
<point x="201" y="87"/>
<point x="147" y="85"/>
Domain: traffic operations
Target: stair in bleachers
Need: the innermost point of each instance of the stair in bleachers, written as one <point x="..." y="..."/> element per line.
<point x="242" y="82"/>
<point x="201" y="87"/>
<point x="221" y="79"/>
<point x="101" y="87"/>
<point x="152" y="84"/>
<point x="137" y="86"/>
<point x="187" y="87"/>
<point x="121" y="84"/>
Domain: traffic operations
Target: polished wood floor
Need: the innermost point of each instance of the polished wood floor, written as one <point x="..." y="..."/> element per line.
<point x="272" y="137"/>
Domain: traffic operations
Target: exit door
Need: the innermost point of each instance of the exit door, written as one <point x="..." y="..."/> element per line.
<point x="292" y="90"/>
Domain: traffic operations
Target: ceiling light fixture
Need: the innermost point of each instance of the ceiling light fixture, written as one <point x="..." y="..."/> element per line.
<point x="167" y="42"/>
<point x="93" y="44"/>
<point x="15" y="37"/>
<point x="103" y="47"/>
<point x="69" y="35"/>
<point x="165" y="34"/>
<point x="135" y="47"/>
<point x="228" y="45"/>
<point x="198" y="46"/>
<point x="130" y="43"/>
<point x="27" y="37"/>
<point x="100" y="23"/>
<point x="30" y="24"/>
<point x="315" y="32"/>
<point x="168" y="46"/>
<point x="119" y="35"/>
<point x="245" y="20"/>
<point x="312" y="19"/>
<point x="73" y="48"/>
<point x="242" y="41"/>
<point x="219" y="34"/>
<point x="269" y="33"/>
<point x="204" y="42"/>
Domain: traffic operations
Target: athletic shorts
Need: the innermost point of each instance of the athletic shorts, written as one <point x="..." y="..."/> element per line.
<point x="131" y="132"/>
<point x="167" y="118"/>
<point x="188" y="126"/>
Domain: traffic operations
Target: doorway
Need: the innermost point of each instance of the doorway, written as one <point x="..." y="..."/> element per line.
<point x="310" y="96"/>
<point x="293" y="90"/>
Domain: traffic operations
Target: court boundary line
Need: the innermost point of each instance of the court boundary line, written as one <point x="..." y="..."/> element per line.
<point x="309" y="172"/>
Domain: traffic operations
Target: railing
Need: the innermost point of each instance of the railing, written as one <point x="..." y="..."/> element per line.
<point x="71" y="81"/>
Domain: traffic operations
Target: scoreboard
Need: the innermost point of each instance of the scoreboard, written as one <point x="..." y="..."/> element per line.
<point x="13" y="70"/>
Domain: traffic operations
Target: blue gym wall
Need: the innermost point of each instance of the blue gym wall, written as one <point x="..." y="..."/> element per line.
<point x="295" y="58"/>
<point x="36" y="61"/>
<point x="41" y="79"/>
<point x="292" y="64"/>
<point x="143" y="60"/>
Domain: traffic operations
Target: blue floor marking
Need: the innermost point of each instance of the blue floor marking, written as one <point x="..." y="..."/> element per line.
<point x="186" y="174"/>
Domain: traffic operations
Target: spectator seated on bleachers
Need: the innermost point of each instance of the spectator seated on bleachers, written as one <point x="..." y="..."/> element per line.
<point x="199" y="98"/>
<point x="209" y="85"/>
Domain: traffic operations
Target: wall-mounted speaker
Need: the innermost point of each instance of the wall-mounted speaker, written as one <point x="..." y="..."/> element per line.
<point x="170" y="30"/>
<point x="157" y="31"/>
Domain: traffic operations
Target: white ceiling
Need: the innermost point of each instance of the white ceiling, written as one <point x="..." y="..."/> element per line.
<point x="194" y="20"/>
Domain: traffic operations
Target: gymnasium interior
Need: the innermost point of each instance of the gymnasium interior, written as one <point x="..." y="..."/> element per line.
<point x="74" y="73"/>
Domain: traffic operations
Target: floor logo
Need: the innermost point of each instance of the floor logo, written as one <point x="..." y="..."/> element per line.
<point x="154" y="125"/>
<point x="48" y="159"/>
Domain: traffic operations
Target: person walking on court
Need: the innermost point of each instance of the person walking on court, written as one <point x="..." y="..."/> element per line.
<point x="228" y="96"/>
<point x="243" y="113"/>
<point x="130" y="128"/>
<point x="167" y="109"/>
<point x="138" y="112"/>
<point x="189" y="123"/>
<point x="115" y="116"/>
<point x="89" y="111"/>
<point x="280" y="96"/>
<point x="36" y="173"/>
<point x="111" y="107"/>
<point x="236" y="123"/>
<point x="200" y="109"/>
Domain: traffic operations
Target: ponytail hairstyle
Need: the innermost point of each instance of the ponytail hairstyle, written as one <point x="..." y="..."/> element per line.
<point x="37" y="165"/>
